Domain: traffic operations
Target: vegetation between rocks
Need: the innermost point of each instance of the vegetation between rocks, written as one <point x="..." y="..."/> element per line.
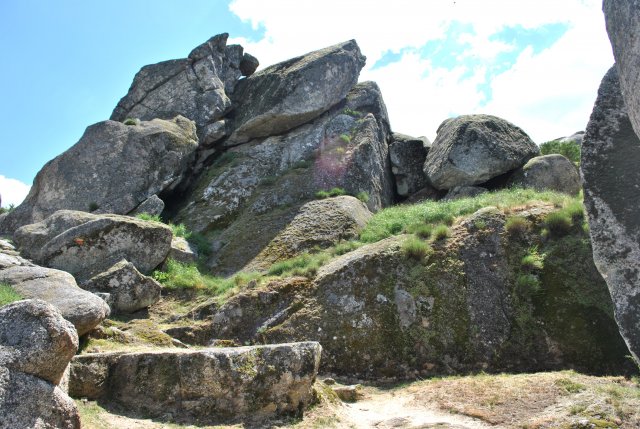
<point x="568" y="149"/>
<point x="8" y="294"/>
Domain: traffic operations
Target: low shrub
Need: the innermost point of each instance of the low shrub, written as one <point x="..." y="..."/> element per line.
<point x="422" y="230"/>
<point x="528" y="284"/>
<point x="440" y="232"/>
<point x="131" y="121"/>
<point x="334" y="192"/>
<point x="533" y="260"/>
<point x="558" y="223"/>
<point x="517" y="225"/>
<point x="570" y="150"/>
<point x="363" y="196"/>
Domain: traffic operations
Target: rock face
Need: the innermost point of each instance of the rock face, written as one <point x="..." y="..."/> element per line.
<point x="151" y="206"/>
<point x="407" y="155"/>
<point x="467" y="305"/>
<point x="128" y="289"/>
<point x="211" y="385"/>
<point x="623" y="24"/>
<point x="464" y="191"/>
<point x="610" y="156"/>
<point x="320" y="223"/>
<point x="84" y="309"/>
<point x="548" y="172"/>
<point x="85" y="244"/>
<point x="197" y="87"/>
<point x="472" y="149"/>
<point x="112" y="169"/>
<point x="254" y="190"/>
<point x="289" y="94"/>
<point x="36" y="344"/>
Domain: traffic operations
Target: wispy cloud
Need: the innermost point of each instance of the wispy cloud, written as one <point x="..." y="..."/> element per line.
<point x="537" y="63"/>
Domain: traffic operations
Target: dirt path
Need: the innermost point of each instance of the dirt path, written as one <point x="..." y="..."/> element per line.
<point x="389" y="409"/>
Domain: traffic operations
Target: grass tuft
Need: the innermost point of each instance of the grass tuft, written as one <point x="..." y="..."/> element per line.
<point x="8" y="295"/>
<point x="517" y="226"/>
<point x="415" y="248"/>
<point x="441" y="232"/>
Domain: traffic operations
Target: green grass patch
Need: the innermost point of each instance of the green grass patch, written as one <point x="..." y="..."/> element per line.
<point x="394" y="220"/>
<point x="569" y="385"/>
<point x="8" y="295"/>
<point x="305" y="265"/>
<point x="187" y="276"/>
<point x="131" y="121"/>
<point x="517" y="226"/>
<point x="532" y="261"/>
<point x="415" y="248"/>
<point x="422" y="230"/>
<point x="335" y="192"/>
<point x="558" y="223"/>
<point x="440" y="232"/>
<point x="570" y="150"/>
<point x="346" y="138"/>
<point x="363" y="196"/>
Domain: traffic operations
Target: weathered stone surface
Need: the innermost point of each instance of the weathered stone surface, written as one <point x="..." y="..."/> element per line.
<point x="112" y="169"/>
<point x="248" y="65"/>
<point x="462" y="307"/>
<point x="85" y="244"/>
<point x="28" y="402"/>
<point x="472" y="149"/>
<point x="84" y="309"/>
<point x="623" y="23"/>
<point x="574" y="138"/>
<point x="609" y="165"/>
<point x="254" y="190"/>
<point x="289" y="94"/>
<point x="35" y="339"/>
<point x="464" y="191"/>
<point x="321" y="223"/>
<point x="211" y="385"/>
<point x="428" y="193"/>
<point x="128" y="289"/>
<point x="407" y="156"/>
<point x="182" y="251"/>
<point x="197" y="87"/>
<point x="152" y="206"/>
<point x="548" y="172"/>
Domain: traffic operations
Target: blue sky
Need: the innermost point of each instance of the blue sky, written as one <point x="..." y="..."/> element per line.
<point x="67" y="63"/>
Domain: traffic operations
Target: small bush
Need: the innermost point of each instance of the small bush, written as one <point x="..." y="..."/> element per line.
<point x="517" y="225"/>
<point x="131" y="121"/>
<point x="395" y="228"/>
<point x="148" y="217"/>
<point x="335" y="192"/>
<point x="8" y="295"/>
<point x="558" y="223"/>
<point x="575" y="210"/>
<point x="415" y="248"/>
<point x="532" y="261"/>
<point x="346" y="138"/>
<point x="422" y="230"/>
<point x="180" y="230"/>
<point x="570" y="150"/>
<point x="321" y="195"/>
<point x="440" y="232"/>
<point x="363" y="196"/>
<point x="528" y="284"/>
<point x="93" y="206"/>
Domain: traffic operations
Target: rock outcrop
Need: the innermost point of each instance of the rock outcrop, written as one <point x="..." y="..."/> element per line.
<point x="128" y="290"/>
<point x="289" y="94"/>
<point x="319" y="224"/>
<point x="112" y="169"/>
<point x="407" y="155"/>
<point x="197" y="87"/>
<point x="36" y="345"/>
<point x="609" y="164"/>
<point x="472" y="149"/>
<point x="86" y="244"/>
<point x="204" y="386"/>
<point x="468" y="304"/>
<point x="623" y="23"/>
<point x="548" y="172"/>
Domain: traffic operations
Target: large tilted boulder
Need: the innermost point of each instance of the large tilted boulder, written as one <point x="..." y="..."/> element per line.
<point x="407" y="156"/>
<point x="85" y="244"/>
<point x="294" y="92"/>
<point x="472" y="149"/>
<point x="548" y="172"/>
<point x="112" y="169"/>
<point x="254" y="190"/>
<point x="319" y="224"/>
<point x="623" y="23"/>
<point x="128" y="289"/>
<point x="609" y="164"/>
<point x="468" y="304"/>
<point x="204" y="386"/>
<point x="84" y="309"/>
<point x="36" y="345"/>
<point x="197" y="87"/>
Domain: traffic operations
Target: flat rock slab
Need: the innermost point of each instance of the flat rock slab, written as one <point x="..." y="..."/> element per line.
<point x="85" y="244"/>
<point x="210" y="385"/>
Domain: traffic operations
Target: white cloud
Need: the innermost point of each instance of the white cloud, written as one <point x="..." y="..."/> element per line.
<point x="12" y="191"/>
<point x="548" y="94"/>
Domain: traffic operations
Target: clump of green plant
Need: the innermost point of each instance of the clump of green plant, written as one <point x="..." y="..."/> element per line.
<point x="334" y="192"/>
<point x="344" y="247"/>
<point x="8" y="295"/>
<point x="363" y="196"/>
<point x="532" y="261"/>
<point x="301" y="164"/>
<point x="440" y="232"/>
<point x="305" y="265"/>
<point x="346" y="138"/>
<point x="7" y="209"/>
<point x="178" y="230"/>
<point x="131" y="121"/>
<point x="558" y="223"/>
<point x="422" y="230"/>
<point x="517" y="226"/>
<point x="415" y="248"/>
<point x="352" y="113"/>
<point x="569" y="149"/>
<point x="93" y="206"/>
<point x="149" y="217"/>
<point x="528" y="284"/>
<point x="569" y="385"/>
